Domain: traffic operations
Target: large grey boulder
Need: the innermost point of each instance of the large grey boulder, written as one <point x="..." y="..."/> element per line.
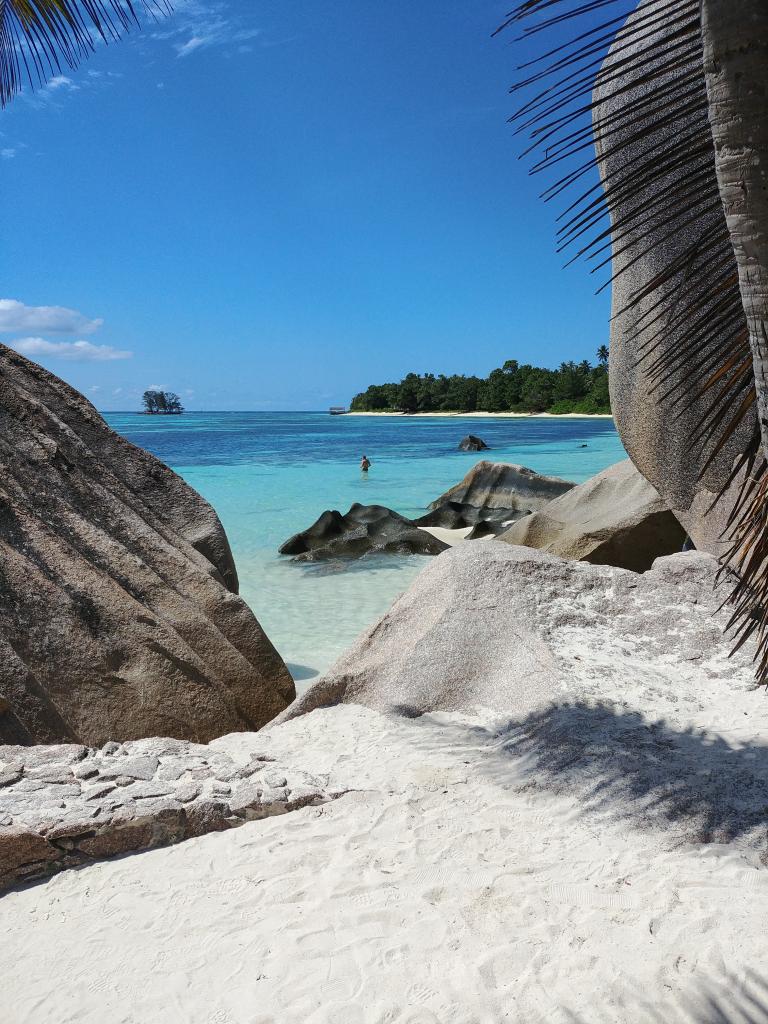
<point x="119" y="614"/>
<point x="503" y="485"/>
<point x="513" y="629"/>
<point x="658" y="419"/>
<point x="616" y="518"/>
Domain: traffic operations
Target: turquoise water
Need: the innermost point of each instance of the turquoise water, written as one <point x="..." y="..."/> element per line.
<point x="269" y="475"/>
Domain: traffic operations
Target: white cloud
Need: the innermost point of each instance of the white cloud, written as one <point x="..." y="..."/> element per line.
<point x="7" y="153"/>
<point x="15" y="317"/>
<point x="61" y="82"/>
<point x="73" y="351"/>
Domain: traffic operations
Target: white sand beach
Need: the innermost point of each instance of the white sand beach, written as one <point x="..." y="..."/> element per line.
<point x="500" y="415"/>
<point x="450" y="537"/>
<point x="454" y="880"/>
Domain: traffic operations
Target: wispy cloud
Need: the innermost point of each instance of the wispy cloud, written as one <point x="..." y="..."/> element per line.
<point x="73" y="351"/>
<point x="184" y="49"/>
<point x="15" y="317"/>
<point x="199" y="24"/>
<point x="8" y="149"/>
<point x="57" y="88"/>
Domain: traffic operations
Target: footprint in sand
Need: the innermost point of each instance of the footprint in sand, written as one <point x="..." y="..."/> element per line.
<point x="505" y="967"/>
<point x="383" y="896"/>
<point x="437" y="876"/>
<point x="585" y="896"/>
<point x="394" y="957"/>
<point x="421" y="994"/>
<point x="316" y="943"/>
<point x="385" y="1015"/>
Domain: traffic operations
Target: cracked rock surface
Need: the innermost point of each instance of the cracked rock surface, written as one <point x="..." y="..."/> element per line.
<point x="65" y="805"/>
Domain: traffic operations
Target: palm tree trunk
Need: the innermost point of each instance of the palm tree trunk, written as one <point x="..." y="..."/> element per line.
<point x="735" y="39"/>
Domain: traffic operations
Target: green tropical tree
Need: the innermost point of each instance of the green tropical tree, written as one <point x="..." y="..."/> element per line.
<point x="38" y="38"/>
<point x="161" y="402"/>
<point x="602" y="355"/>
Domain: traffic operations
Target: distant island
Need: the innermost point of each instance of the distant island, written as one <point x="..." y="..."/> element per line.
<point x="574" y="387"/>
<point x="161" y="403"/>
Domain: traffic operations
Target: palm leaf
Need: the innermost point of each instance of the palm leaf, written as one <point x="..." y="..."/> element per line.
<point x="38" y="38"/>
<point x="672" y="188"/>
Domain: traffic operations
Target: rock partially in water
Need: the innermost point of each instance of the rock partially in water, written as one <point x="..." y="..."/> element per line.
<point x="616" y="518"/>
<point x="489" y="498"/>
<point x="457" y="515"/>
<point x="472" y="443"/>
<point x="365" y="529"/>
<point x="119" y="614"/>
<point x="502" y="485"/>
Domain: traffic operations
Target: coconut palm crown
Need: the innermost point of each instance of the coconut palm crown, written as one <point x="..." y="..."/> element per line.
<point x="39" y="38"/>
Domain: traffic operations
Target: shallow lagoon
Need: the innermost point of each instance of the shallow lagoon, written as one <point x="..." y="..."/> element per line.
<point x="269" y="475"/>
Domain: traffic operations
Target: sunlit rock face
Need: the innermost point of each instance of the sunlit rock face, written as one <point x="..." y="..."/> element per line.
<point x="119" y="614"/>
<point x="658" y="419"/>
<point x="616" y="518"/>
<point x="513" y="629"/>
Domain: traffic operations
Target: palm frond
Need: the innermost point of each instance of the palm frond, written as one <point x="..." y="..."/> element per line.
<point x="39" y="38"/>
<point x="653" y="191"/>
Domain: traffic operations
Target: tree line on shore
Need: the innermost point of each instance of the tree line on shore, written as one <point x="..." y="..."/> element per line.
<point x="574" y="387"/>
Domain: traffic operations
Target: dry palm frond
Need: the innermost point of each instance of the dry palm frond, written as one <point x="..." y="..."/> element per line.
<point x="38" y="38"/>
<point x="650" y="92"/>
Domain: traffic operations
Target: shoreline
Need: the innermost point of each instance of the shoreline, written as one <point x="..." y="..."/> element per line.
<point x="494" y="415"/>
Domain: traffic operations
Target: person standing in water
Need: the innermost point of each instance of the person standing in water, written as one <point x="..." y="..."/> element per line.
<point x="365" y="463"/>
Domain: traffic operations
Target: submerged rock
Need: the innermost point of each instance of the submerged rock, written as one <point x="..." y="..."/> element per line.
<point x="119" y="614"/>
<point x="616" y="518"/>
<point x="471" y="443"/>
<point x="365" y="529"/>
<point x="512" y="628"/>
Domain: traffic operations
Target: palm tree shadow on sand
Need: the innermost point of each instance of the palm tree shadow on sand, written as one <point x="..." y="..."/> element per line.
<point x="745" y="1001"/>
<point x="691" y="785"/>
<point x="691" y="782"/>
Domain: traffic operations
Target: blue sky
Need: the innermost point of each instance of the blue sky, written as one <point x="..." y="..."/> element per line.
<point x="270" y="204"/>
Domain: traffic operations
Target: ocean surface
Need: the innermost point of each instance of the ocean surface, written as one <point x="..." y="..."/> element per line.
<point x="269" y="475"/>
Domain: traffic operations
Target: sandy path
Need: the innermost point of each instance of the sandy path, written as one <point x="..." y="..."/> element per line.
<point x="445" y="886"/>
<point x="450" y="537"/>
